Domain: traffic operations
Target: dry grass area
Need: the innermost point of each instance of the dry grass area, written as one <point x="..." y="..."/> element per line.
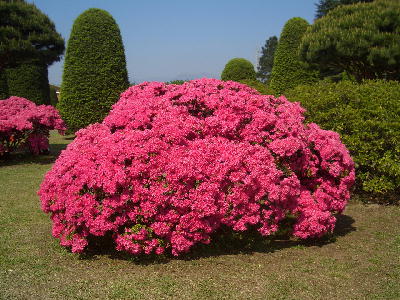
<point x="360" y="261"/>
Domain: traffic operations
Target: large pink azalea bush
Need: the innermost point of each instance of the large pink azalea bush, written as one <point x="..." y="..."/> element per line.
<point x="171" y="164"/>
<point x="25" y="124"/>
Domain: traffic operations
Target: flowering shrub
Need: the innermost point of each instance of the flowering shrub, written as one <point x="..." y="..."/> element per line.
<point x="24" y="124"/>
<point x="171" y="164"/>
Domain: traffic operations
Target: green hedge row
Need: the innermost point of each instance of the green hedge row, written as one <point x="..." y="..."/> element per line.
<point x="367" y="116"/>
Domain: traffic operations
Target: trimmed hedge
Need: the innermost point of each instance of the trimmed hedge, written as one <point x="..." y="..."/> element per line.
<point x="30" y="81"/>
<point x="238" y="69"/>
<point x="288" y="71"/>
<point x="94" y="71"/>
<point x="367" y="116"/>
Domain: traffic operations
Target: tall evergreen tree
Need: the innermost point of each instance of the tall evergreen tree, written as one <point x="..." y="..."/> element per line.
<point x="266" y="60"/>
<point x="288" y="71"/>
<point x="94" y="71"/>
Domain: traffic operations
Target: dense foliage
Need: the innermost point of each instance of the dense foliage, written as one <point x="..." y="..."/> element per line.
<point x="257" y="85"/>
<point x="23" y="124"/>
<point x="288" y="71"/>
<point x="362" y="39"/>
<point x="94" y="71"/>
<point x="25" y="32"/>
<point x="238" y="69"/>
<point x="30" y="81"/>
<point x="172" y="164"/>
<point x="266" y="60"/>
<point x="367" y="116"/>
<point x="324" y="6"/>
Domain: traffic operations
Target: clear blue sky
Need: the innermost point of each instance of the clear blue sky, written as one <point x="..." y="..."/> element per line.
<point x="182" y="39"/>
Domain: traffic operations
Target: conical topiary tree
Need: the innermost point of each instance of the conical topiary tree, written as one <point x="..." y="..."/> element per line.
<point x="238" y="69"/>
<point x="288" y="71"/>
<point x="94" y="71"/>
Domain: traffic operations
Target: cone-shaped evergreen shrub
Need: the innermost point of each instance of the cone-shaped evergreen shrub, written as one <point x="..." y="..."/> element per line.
<point x="288" y="71"/>
<point x="95" y="69"/>
<point x="238" y="69"/>
<point x="30" y="81"/>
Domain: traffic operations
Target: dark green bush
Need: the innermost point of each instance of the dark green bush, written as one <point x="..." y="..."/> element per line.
<point x="288" y="71"/>
<point x="238" y="69"/>
<point x="29" y="80"/>
<point x="3" y="86"/>
<point x="367" y="116"/>
<point x="94" y="71"/>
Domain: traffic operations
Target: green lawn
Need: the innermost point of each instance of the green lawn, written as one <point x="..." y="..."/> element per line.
<point x="361" y="260"/>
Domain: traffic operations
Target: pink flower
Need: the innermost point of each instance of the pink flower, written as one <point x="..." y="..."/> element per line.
<point x="171" y="164"/>
<point x="24" y="124"/>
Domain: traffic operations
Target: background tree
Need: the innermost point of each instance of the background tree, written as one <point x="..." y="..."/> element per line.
<point x="266" y="60"/>
<point x="29" y="44"/>
<point x="238" y="69"/>
<point x="324" y="6"/>
<point x="362" y="39"/>
<point x="25" y="32"/>
<point x="94" y="71"/>
<point x="288" y="71"/>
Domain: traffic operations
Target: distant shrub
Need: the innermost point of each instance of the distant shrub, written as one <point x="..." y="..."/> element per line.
<point x="257" y="85"/>
<point x="238" y="69"/>
<point x="94" y="71"/>
<point x="288" y="71"/>
<point x="367" y="116"/>
<point x="172" y="164"/>
<point x="176" y="82"/>
<point x="26" y="125"/>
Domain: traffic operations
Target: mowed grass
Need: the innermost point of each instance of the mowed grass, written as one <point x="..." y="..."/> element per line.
<point x="360" y="261"/>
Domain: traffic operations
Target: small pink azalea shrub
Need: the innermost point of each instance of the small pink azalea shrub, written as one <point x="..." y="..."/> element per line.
<point x="23" y="124"/>
<point x="171" y="164"/>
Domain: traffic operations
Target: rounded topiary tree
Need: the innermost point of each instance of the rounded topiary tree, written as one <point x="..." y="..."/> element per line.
<point x="94" y="71"/>
<point x="30" y="81"/>
<point x="171" y="165"/>
<point x="288" y="71"/>
<point x="363" y="39"/>
<point x="238" y="69"/>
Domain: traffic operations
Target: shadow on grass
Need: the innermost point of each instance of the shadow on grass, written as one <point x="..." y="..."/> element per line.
<point x="23" y="157"/>
<point x="225" y="242"/>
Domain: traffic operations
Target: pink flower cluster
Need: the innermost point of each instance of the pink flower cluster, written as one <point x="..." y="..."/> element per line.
<point x="171" y="164"/>
<point x="24" y="124"/>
